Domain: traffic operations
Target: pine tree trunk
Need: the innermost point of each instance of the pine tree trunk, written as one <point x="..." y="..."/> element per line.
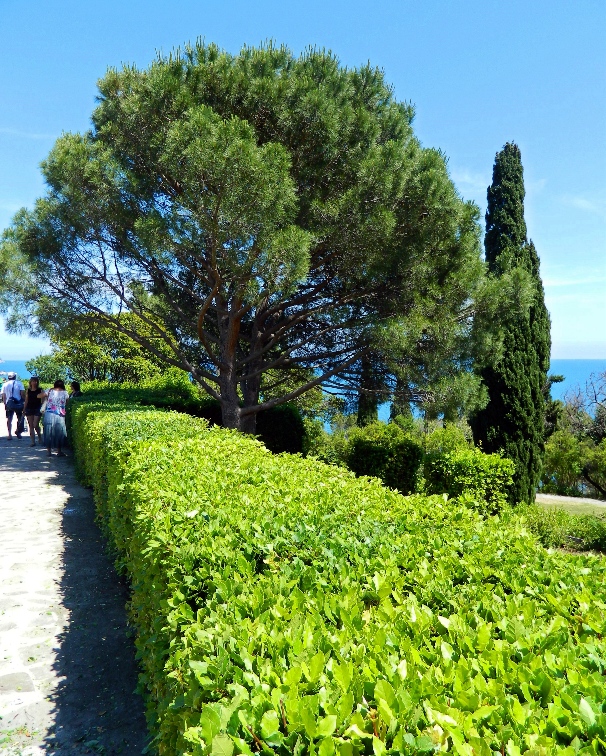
<point x="231" y="399"/>
<point x="368" y="400"/>
<point x="248" y="423"/>
<point x="230" y="414"/>
<point x="400" y="404"/>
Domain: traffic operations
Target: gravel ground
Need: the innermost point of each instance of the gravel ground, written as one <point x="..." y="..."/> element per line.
<point x="67" y="664"/>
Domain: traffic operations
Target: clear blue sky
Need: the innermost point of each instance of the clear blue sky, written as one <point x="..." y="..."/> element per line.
<point x="480" y="73"/>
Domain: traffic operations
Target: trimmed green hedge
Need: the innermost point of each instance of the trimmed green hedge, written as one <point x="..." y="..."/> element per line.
<point x="283" y="606"/>
<point x="483" y="480"/>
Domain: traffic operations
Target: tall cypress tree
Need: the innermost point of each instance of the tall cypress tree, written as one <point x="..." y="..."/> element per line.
<point x="514" y="419"/>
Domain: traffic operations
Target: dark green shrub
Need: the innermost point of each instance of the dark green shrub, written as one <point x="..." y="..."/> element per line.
<point x="468" y="472"/>
<point x="446" y="439"/>
<point x="385" y="452"/>
<point x="206" y="408"/>
<point x="330" y="447"/>
<point x="282" y="429"/>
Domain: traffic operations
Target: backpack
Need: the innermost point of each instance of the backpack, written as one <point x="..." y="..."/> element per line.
<point x="14" y="403"/>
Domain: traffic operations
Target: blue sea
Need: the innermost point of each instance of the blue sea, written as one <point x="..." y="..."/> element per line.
<point x="575" y="372"/>
<point x="18" y="366"/>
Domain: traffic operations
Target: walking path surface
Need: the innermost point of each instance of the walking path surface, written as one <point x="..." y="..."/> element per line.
<point x="67" y="663"/>
<point x="556" y="499"/>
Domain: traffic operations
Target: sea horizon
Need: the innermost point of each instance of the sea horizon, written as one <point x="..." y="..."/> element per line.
<point x="576" y="373"/>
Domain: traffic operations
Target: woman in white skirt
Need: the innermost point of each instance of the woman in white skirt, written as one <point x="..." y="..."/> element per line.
<point x="55" y="434"/>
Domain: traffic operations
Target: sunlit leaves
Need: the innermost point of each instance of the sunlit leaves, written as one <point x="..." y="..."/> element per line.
<point x="284" y="606"/>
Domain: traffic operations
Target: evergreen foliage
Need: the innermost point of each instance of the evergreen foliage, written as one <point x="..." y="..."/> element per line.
<point x="575" y="452"/>
<point x="48" y="368"/>
<point x="86" y="350"/>
<point x="480" y="480"/>
<point x="514" y="419"/>
<point x="372" y="389"/>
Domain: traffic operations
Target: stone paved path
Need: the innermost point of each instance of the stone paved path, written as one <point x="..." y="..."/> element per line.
<point x="67" y="667"/>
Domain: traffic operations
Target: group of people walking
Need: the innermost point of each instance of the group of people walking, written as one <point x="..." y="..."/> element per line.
<point x="34" y="404"/>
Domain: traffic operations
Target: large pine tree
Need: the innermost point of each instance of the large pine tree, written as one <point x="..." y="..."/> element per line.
<point x="513" y="420"/>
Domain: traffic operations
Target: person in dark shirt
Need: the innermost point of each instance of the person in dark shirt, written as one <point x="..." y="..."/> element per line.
<point x="32" y="410"/>
<point x="75" y="390"/>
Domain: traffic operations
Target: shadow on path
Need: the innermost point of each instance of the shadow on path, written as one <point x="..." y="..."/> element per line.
<point x="93" y="704"/>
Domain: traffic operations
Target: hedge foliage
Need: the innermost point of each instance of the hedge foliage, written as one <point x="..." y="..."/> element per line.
<point x="468" y="472"/>
<point x="436" y="463"/>
<point x="283" y="606"/>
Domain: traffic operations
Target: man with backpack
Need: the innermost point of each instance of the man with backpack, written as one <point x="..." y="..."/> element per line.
<point x="13" y="396"/>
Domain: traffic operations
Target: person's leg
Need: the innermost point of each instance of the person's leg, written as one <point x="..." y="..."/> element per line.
<point x="19" y="429"/>
<point x="31" y="419"/>
<point x="9" y="423"/>
<point x="36" y="419"/>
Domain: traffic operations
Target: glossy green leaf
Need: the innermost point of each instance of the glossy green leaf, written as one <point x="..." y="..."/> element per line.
<point x="265" y="620"/>
<point x="222" y="746"/>
<point x="586" y="712"/>
<point x="326" y="726"/>
<point x="270" y="724"/>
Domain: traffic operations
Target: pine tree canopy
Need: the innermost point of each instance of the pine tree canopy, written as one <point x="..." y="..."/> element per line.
<point x="259" y="213"/>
